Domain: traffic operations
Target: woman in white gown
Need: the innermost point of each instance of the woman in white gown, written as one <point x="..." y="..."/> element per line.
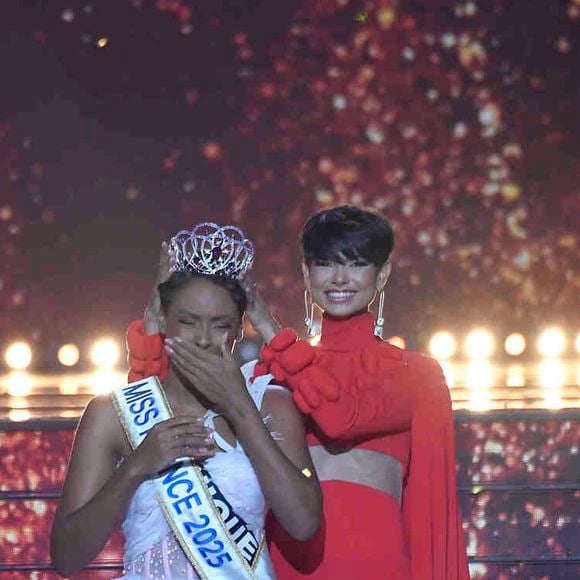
<point x="244" y="440"/>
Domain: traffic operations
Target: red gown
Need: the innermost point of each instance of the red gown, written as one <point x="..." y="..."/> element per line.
<point x="363" y="393"/>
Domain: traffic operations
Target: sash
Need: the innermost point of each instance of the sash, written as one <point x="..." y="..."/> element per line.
<point x="216" y="541"/>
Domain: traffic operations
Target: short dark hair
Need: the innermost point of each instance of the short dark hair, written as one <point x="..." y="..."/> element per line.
<point x="347" y="233"/>
<point x="179" y="279"/>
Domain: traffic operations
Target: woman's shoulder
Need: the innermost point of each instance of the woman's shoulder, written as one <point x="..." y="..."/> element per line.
<point x="421" y="362"/>
<point x="100" y="419"/>
<point x="416" y="366"/>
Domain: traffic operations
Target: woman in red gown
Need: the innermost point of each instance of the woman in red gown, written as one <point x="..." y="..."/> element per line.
<point x="381" y="426"/>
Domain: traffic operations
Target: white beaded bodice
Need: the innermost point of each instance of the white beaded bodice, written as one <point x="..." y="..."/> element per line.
<point x="151" y="549"/>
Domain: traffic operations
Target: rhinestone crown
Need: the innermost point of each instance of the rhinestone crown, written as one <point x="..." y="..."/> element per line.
<point x="212" y="249"/>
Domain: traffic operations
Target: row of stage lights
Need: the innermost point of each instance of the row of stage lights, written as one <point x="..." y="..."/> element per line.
<point x="478" y="344"/>
<point x="481" y="344"/>
<point x="104" y="353"/>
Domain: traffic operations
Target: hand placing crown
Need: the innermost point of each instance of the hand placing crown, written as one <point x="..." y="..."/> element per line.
<point x="212" y="250"/>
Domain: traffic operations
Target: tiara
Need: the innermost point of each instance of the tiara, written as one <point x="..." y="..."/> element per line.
<point x="213" y="250"/>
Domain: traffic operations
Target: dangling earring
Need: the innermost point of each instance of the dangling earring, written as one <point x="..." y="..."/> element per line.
<point x="380" y="320"/>
<point x="309" y="309"/>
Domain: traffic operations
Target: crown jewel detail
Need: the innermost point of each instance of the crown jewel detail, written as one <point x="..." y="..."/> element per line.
<point x="213" y="250"/>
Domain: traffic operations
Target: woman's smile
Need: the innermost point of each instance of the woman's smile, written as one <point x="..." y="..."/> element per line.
<point x="340" y="296"/>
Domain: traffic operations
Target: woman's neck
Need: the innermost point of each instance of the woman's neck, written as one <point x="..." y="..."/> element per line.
<point x="348" y="334"/>
<point x="182" y="396"/>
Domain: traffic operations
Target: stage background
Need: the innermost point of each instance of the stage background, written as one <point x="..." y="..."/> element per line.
<point x="123" y="122"/>
<point x="517" y="477"/>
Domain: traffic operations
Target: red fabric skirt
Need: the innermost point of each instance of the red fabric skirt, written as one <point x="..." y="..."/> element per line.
<point x="361" y="536"/>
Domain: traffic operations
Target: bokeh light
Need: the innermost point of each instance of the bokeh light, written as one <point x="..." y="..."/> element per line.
<point x="397" y="341"/>
<point x="442" y="345"/>
<point x="552" y="374"/>
<point x="68" y="355"/>
<point x="105" y="353"/>
<point x="515" y="376"/>
<point x="480" y="374"/>
<point x="19" y="384"/>
<point x="104" y="380"/>
<point x="18" y="355"/>
<point x="479" y="344"/>
<point x="19" y="415"/>
<point x="69" y="386"/>
<point x="552" y="343"/>
<point x="515" y="344"/>
<point x="470" y="205"/>
<point x="552" y="377"/>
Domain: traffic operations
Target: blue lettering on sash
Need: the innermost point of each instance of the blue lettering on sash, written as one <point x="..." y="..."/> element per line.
<point x="141" y="404"/>
<point x="175" y="478"/>
<point x="236" y="527"/>
<point x="142" y="407"/>
<point x="177" y="504"/>
<point x="177" y="483"/>
<point x="188" y="483"/>
<point x="132" y="392"/>
<point x="143" y="433"/>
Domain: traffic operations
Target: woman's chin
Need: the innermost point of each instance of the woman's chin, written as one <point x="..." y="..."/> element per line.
<point x="343" y="310"/>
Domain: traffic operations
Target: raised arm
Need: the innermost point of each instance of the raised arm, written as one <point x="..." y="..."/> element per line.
<point x="370" y="401"/>
<point x="96" y="495"/>
<point x="146" y="355"/>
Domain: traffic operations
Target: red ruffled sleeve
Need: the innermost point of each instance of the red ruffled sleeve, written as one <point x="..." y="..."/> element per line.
<point x="147" y="357"/>
<point x="343" y="409"/>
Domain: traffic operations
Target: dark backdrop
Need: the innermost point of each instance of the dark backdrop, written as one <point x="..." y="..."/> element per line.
<point x="459" y="120"/>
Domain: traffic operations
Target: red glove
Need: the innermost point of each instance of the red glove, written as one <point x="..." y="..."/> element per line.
<point x="290" y="361"/>
<point x="147" y="356"/>
<point x="311" y="386"/>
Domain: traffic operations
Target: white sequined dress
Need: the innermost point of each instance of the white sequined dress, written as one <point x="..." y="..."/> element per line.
<point x="151" y="549"/>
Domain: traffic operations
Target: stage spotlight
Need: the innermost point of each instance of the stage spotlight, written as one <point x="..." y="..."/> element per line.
<point x="105" y="353"/>
<point x="480" y="374"/>
<point x="19" y="384"/>
<point x="68" y="386"/>
<point x="515" y="344"/>
<point x="516" y="376"/>
<point x="552" y="374"/>
<point x="104" y="380"/>
<point x="398" y="341"/>
<point x="442" y="345"/>
<point x="479" y="344"/>
<point x="68" y="355"/>
<point x="18" y="415"/>
<point x="552" y="343"/>
<point x="18" y="356"/>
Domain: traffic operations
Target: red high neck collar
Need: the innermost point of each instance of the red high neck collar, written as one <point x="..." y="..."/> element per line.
<point x="348" y="334"/>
